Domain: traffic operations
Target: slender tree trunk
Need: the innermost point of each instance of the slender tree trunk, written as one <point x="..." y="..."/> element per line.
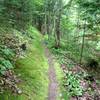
<point x="58" y="32"/>
<point x="39" y="23"/>
<point x="58" y="24"/>
<point x="83" y="40"/>
<point x="45" y="16"/>
<point x="48" y="25"/>
<point x="45" y="26"/>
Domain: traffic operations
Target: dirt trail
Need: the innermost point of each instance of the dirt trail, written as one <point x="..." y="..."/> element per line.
<point x="53" y="84"/>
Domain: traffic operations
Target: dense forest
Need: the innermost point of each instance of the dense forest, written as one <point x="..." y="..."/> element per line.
<point x="49" y="49"/>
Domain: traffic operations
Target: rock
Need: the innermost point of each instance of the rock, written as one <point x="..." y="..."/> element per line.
<point x="19" y="91"/>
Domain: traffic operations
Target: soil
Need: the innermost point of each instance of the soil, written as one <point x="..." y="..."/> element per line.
<point x="53" y="84"/>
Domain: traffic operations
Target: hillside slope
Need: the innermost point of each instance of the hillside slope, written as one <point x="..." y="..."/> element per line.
<point x="32" y="70"/>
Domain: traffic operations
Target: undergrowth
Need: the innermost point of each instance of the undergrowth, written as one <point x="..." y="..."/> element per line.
<point x="72" y="50"/>
<point x="72" y="84"/>
<point x="68" y="55"/>
<point x="32" y="70"/>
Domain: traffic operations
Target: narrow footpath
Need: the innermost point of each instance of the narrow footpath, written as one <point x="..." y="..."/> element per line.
<point x="53" y="84"/>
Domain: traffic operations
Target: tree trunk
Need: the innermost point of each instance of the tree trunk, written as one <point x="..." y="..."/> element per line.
<point x="83" y="40"/>
<point x="58" y="18"/>
<point x="48" y="24"/>
<point x="57" y="32"/>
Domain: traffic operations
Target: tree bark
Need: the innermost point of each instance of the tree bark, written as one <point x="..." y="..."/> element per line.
<point x="83" y="40"/>
<point x="57" y="30"/>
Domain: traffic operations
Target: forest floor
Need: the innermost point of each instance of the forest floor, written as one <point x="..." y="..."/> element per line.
<point x="91" y="91"/>
<point x="53" y="83"/>
<point x="83" y="82"/>
<point x="43" y="77"/>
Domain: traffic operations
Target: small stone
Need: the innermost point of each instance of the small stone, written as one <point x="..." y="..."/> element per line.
<point x="19" y="91"/>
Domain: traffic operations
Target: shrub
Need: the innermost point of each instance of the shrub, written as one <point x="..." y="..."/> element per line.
<point x="5" y="65"/>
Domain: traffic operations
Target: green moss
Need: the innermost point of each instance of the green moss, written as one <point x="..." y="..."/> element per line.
<point x="33" y="70"/>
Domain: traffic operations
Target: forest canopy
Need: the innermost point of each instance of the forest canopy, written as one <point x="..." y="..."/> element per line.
<point x="70" y="29"/>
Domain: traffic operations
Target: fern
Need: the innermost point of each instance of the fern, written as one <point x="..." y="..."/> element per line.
<point x="5" y="65"/>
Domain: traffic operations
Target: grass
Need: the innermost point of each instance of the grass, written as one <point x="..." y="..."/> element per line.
<point x="60" y="76"/>
<point x="33" y="70"/>
<point x="63" y="95"/>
